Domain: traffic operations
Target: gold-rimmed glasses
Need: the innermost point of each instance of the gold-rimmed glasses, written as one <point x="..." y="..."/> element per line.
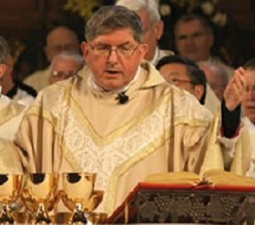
<point x="106" y="50"/>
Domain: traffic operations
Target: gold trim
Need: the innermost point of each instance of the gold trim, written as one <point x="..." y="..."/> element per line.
<point x="118" y="172"/>
<point x="104" y="140"/>
<point x="13" y="109"/>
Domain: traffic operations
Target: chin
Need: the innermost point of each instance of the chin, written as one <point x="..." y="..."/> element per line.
<point x="113" y="87"/>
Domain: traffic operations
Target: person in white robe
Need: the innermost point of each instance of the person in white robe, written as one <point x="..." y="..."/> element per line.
<point x="118" y="117"/>
<point x="10" y="116"/>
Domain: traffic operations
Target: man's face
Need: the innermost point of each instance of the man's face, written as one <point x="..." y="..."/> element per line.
<point x="177" y="74"/>
<point x="215" y="81"/>
<point x="2" y="70"/>
<point x="114" y="58"/>
<point x="192" y="41"/>
<point x="61" y="40"/>
<point x="248" y="102"/>
<point x="63" y="68"/>
<point x="152" y="33"/>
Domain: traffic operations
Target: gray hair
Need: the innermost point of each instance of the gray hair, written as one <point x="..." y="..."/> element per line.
<point x="111" y="18"/>
<point x="76" y="57"/>
<point x="218" y="70"/>
<point x="136" y="5"/>
<point x="4" y="50"/>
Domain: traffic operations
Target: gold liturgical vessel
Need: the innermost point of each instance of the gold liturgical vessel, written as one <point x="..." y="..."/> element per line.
<point x="10" y="186"/>
<point x="40" y="197"/>
<point x="81" y="199"/>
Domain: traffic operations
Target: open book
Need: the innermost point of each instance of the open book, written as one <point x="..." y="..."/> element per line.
<point x="212" y="179"/>
<point x="216" y="197"/>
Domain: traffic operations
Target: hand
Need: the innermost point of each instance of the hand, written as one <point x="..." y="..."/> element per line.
<point x="235" y="89"/>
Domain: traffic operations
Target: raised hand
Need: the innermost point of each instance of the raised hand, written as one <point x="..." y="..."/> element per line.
<point x="235" y="90"/>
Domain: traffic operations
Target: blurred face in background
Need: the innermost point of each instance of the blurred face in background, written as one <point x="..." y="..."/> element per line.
<point x="63" y="68"/>
<point x="61" y="39"/>
<point x="192" y="41"/>
<point x="216" y="81"/>
<point x="7" y="80"/>
<point x="152" y="33"/>
<point x="248" y="102"/>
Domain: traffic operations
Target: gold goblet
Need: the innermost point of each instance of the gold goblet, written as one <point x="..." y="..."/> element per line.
<point x="79" y="196"/>
<point x="10" y="186"/>
<point x="40" y="196"/>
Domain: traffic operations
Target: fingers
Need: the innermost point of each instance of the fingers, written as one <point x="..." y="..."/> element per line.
<point x="238" y="80"/>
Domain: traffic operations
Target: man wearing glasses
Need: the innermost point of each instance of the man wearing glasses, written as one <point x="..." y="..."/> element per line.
<point x="65" y="65"/>
<point x="117" y="118"/>
<point x="185" y="74"/>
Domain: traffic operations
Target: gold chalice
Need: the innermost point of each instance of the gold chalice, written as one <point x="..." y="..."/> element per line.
<point x="10" y="186"/>
<point x="79" y="196"/>
<point x="40" y="196"/>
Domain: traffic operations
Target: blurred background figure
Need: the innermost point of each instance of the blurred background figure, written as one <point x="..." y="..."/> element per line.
<point x="185" y="74"/>
<point x="248" y="102"/>
<point x="65" y="65"/>
<point x="194" y="39"/>
<point x="11" y="112"/>
<point x="216" y="76"/>
<point x="58" y="40"/>
<point x="14" y="89"/>
<point x="248" y="106"/>
<point x="148" y="11"/>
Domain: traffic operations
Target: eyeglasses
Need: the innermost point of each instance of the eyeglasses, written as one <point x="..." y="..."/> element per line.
<point x="63" y="74"/>
<point x="106" y="50"/>
<point x="177" y="81"/>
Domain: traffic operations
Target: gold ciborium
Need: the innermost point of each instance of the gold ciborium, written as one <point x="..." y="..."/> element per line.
<point x="40" y="196"/>
<point x="10" y="186"/>
<point x="79" y="196"/>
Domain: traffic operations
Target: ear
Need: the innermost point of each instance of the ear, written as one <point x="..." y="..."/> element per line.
<point x="84" y="50"/>
<point x="198" y="91"/>
<point x="2" y="69"/>
<point x="143" y="48"/>
<point x="158" y="29"/>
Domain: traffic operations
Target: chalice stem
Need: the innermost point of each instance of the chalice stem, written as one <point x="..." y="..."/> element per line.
<point x="42" y="216"/>
<point x="78" y="215"/>
<point x="6" y="216"/>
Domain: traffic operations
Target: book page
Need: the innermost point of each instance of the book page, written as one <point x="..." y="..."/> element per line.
<point x="174" y="178"/>
<point x="216" y="177"/>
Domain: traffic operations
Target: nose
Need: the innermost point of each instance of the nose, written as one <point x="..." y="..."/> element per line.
<point x="113" y="56"/>
<point x="190" y="40"/>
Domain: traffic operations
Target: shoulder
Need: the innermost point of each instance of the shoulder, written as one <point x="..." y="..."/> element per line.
<point x="36" y="75"/>
<point x="188" y="109"/>
<point x="9" y="160"/>
<point x="54" y="94"/>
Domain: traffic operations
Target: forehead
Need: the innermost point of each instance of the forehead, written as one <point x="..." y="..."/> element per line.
<point x="189" y="27"/>
<point x="174" y="69"/>
<point x="63" y="63"/>
<point x="61" y="36"/>
<point x="124" y="35"/>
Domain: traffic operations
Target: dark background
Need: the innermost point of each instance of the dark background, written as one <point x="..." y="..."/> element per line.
<point x="25" y="25"/>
